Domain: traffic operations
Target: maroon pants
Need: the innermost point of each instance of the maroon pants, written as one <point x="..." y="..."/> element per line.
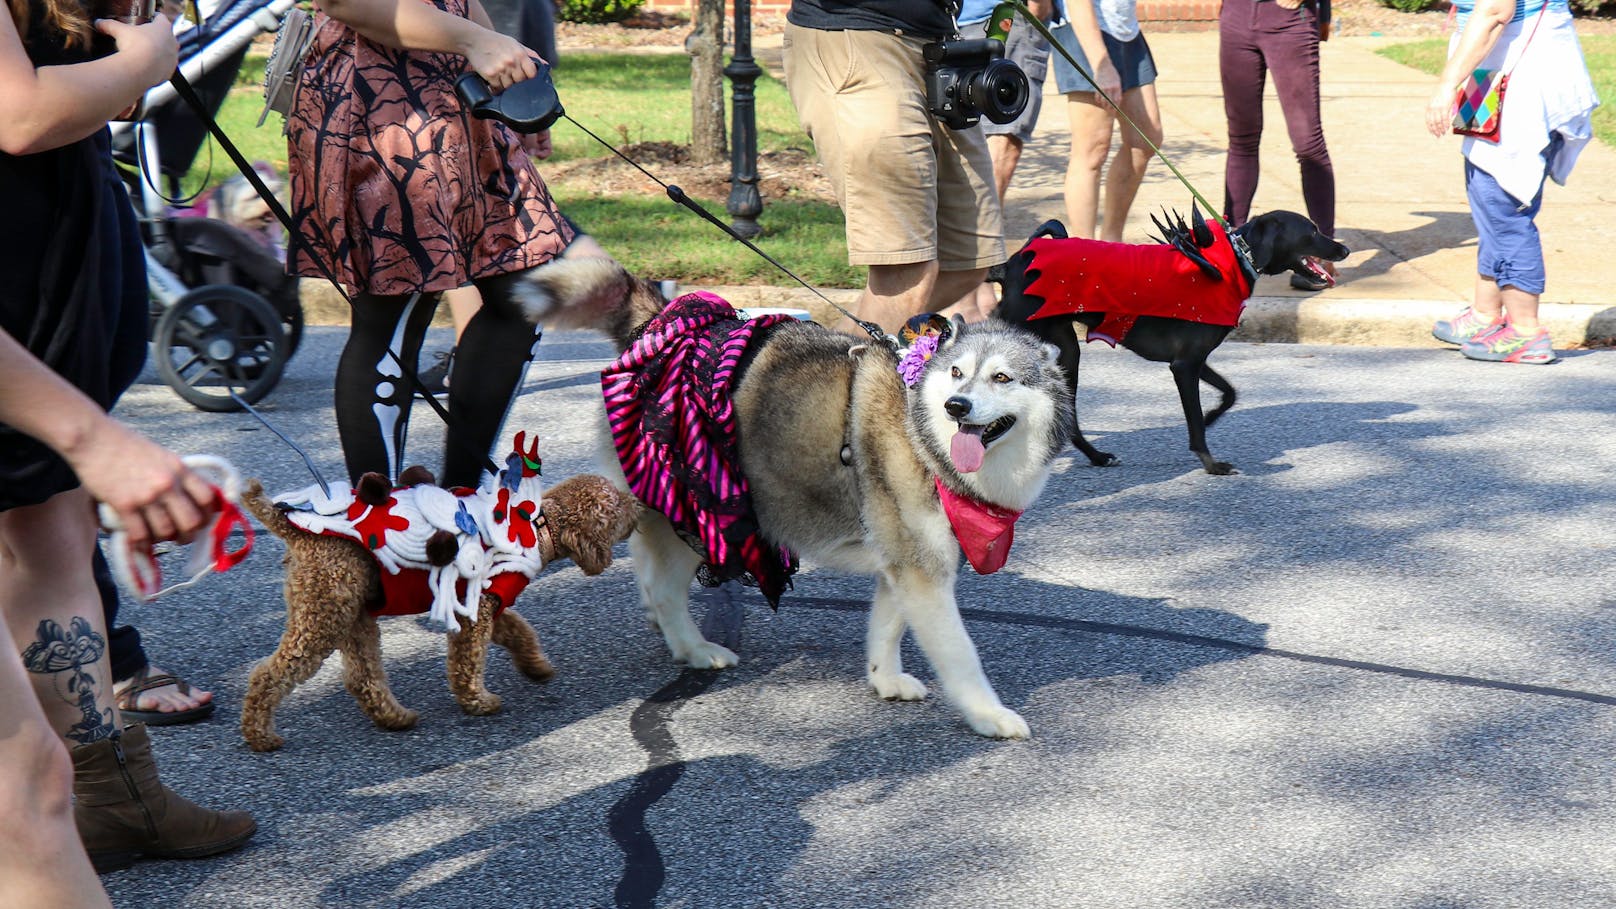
<point x="1254" y="39"/>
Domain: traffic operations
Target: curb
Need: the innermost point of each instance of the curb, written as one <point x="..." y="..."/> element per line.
<point x="1320" y="319"/>
<point x="1273" y="320"/>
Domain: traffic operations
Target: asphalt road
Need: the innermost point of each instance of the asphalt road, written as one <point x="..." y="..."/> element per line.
<point x="1375" y="669"/>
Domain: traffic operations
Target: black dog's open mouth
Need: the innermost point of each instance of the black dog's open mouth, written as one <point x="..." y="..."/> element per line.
<point x="1315" y="267"/>
<point x="970" y="444"/>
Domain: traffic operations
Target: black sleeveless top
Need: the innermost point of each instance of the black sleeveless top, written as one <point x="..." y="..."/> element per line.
<point x="65" y="251"/>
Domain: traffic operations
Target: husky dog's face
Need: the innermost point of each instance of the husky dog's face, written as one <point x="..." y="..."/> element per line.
<point x="991" y="409"/>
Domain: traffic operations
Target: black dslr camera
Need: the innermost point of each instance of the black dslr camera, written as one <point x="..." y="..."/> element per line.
<point x="968" y="78"/>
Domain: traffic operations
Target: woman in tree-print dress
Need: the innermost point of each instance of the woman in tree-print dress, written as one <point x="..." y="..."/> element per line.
<point x="402" y="195"/>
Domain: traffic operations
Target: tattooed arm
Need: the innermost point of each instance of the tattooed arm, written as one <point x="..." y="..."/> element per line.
<point x="156" y="496"/>
<point x="413" y="25"/>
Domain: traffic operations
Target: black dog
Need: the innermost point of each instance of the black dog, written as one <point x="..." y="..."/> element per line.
<point x="1127" y="294"/>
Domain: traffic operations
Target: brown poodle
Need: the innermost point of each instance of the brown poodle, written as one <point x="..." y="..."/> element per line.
<point x="333" y="590"/>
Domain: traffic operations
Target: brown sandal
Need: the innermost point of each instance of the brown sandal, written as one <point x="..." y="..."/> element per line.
<point x="143" y="681"/>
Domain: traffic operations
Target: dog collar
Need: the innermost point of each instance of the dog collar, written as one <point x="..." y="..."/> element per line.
<point x="984" y="531"/>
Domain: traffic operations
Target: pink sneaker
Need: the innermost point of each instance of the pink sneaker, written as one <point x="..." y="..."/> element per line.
<point x="1510" y="346"/>
<point x="1466" y="326"/>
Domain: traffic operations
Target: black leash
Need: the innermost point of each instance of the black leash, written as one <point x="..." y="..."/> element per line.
<point x="182" y="86"/>
<point x="679" y="197"/>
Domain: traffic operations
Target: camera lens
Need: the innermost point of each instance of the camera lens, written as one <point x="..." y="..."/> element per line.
<point x="1000" y="91"/>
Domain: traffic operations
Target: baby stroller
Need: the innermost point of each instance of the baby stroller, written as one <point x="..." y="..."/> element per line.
<point x="225" y="317"/>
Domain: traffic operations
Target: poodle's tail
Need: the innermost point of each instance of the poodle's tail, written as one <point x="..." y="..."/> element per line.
<point x="589" y="293"/>
<point x="273" y="519"/>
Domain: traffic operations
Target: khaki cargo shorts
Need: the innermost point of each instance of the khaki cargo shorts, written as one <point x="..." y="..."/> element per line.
<point x="910" y="188"/>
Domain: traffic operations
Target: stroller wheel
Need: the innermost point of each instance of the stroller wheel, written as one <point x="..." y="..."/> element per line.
<point x="218" y="339"/>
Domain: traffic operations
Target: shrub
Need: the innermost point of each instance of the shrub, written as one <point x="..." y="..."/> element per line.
<point x="597" y="11"/>
<point x="1411" y="6"/>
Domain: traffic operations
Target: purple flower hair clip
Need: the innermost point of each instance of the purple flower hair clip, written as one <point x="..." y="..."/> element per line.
<point x="913" y="361"/>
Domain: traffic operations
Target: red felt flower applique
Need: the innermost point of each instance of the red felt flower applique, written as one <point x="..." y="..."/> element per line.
<point x="522" y="516"/>
<point x="373" y="521"/>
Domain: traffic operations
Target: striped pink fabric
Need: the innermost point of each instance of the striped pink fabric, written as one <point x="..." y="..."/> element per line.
<point x="669" y="402"/>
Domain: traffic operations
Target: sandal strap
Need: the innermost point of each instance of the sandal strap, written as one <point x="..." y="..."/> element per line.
<point x="150" y="682"/>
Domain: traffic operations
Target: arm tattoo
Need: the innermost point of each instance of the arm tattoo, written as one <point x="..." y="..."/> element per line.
<point x="73" y="651"/>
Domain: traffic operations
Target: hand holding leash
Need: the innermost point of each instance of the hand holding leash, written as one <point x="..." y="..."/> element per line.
<point x="132" y="556"/>
<point x="528" y="107"/>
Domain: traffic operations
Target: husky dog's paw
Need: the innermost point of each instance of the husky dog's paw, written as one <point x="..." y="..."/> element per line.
<point x="707" y="655"/>
<point x="999" y="723"/>
<point x="898" y="686"/>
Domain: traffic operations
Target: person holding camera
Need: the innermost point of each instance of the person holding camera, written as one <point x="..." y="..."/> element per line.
<point x="402" y="195"/>
<point x="73" y="315"/>
<point x="890" y="97"/>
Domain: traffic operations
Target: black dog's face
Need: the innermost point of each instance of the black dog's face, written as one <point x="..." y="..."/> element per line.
<point x="1283" y="241"/>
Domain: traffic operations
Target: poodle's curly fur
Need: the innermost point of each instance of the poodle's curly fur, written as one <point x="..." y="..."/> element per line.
<point x="329" y="581"/>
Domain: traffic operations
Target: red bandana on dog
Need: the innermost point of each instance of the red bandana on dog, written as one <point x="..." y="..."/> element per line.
<point x="984" y="531"/>
<point x="1125" y="282"/>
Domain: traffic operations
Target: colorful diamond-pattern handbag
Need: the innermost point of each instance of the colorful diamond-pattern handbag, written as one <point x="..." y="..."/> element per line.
<point x="1478" y="108"/>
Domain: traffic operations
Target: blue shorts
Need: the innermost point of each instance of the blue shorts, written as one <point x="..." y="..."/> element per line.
<point x="1508" y="247"/>
<point x="1131" y="58"/>
<point x="1027" y="49"/>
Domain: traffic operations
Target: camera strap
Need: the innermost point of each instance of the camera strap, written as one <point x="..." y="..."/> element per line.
<point x="1239" y="242"/>
<point x="182" y="87"/>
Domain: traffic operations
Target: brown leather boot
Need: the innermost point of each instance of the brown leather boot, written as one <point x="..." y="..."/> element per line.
<point x="124" y="812"/>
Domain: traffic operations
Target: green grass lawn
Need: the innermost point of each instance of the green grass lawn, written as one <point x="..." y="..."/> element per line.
<point x="624" y="99"/>
<point x="1599" y="50"/>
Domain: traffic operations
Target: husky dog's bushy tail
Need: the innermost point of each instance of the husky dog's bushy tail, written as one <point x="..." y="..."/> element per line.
<point x="588" y="293"/>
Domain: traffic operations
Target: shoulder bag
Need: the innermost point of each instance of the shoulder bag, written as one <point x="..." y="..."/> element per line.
<point x="1479" y="104"/>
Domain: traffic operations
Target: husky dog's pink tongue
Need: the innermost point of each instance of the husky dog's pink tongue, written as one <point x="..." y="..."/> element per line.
<point x="967" y="449"/>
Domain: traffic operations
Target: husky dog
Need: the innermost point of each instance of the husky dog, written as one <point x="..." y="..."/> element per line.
<point x="850" y="468"/>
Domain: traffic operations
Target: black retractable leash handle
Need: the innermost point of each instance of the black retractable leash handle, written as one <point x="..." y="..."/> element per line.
<point x="187" y="94"/>
<point x="529" y="106"/>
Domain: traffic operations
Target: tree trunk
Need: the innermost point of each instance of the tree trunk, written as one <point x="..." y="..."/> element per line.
<point x="705" y="45"/>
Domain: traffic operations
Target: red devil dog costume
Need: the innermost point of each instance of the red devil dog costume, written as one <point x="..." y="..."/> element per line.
<point x="1172" y="302"/>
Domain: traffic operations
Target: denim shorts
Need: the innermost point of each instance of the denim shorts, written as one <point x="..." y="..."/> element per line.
<point x="1508" y="247"/>
<point x="1132" y="59"/>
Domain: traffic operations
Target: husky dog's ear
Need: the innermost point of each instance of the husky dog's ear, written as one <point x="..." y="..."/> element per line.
<point x="572" y="292"/>
<point x="950" y="337"/>
<point x="1051" y="355"/>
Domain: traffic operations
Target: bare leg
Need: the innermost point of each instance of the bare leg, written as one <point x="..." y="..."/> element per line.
<point x="1091" y="140"/>
<point x="1128" y="166"/>
<point x="463" y="304"/>
<point x="53" y="612"/>
<point x="42" y="862"/>
<point x="1006" y="154"/>
<point x="1521" y="307"/>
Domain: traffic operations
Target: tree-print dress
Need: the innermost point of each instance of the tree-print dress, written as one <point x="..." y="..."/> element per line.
<point x="394" y="185"/>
